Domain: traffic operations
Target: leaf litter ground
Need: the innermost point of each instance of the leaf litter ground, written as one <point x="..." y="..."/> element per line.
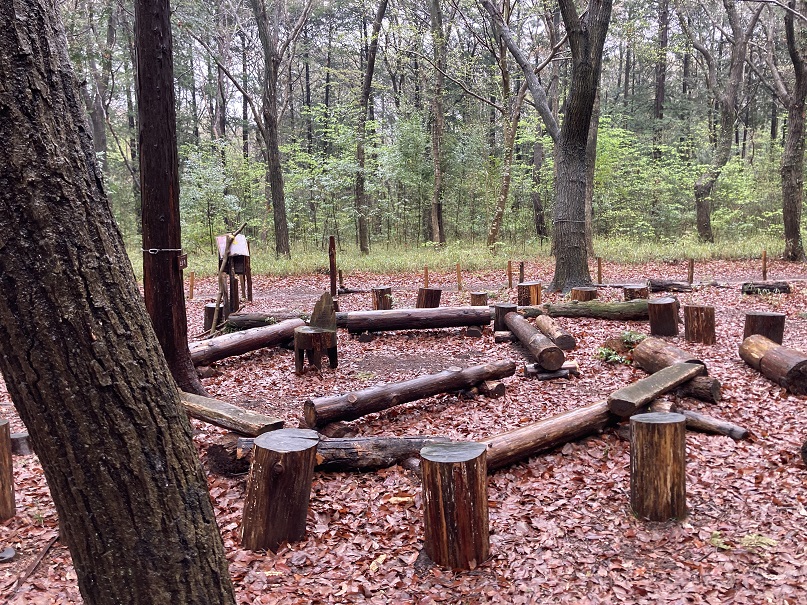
<point x="561" y="526"/>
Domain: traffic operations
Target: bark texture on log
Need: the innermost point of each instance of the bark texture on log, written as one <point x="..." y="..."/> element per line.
<point x="699" y="324"/>
<point x="663" y="314"/>
<point x="555" y="333"/>
<point x="428" y="298"/>
<point x="704" y="388"/>
<point x="766" y="287"/>
<point x="618" y="311"/>
<point x="653" y="354"/>
<point x="769" y="325"/>
<point x="322" y="410"/>
<point x="313" y="342"/>
<point x="665" y="285"/>
<point x="634" y="292"/>
<point x="227" y="415"/>
<point x="414" y="319"/>
<point x="278" y="488"/>
<point x="546" y="353"/>
<point x="500" y="311"/>
<point x="479" y="299"/>
<point x="786" y="367"/>
<point x="205" y="352"/>
<point x="528" y="293"/>
<point x="512" y="446"/>
<point x="382" y="298"/>
<point x="715" y="426"/>
<point x="754" y="348"/>
<point x="583" y="294"/>
<point x="658" y="466"/>
<point x="7" y="505"/>
<point x="455" y="504"/>
<point x="245" y="321"/>
<point x="627" y="400"/>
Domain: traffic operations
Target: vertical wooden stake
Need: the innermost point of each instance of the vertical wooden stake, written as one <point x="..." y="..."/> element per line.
<point x="691" y="271"/>
<point x="248" y="273"/>
<point x="425" y="276"/>
<point x="521" y="272"/>
<point x="510" y="274"/>
<point x="191" y="280"/>
<point x="341" y="280"/>
<point x="332" y="262"/>
<point x="7" y="507"/>
<point x="599" y="270"/>
<point x="459" y="278"/>
<point x="764" y="265"/>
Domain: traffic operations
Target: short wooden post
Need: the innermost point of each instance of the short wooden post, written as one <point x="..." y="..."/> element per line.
<point x="479" y="299"/>
<point x="510" y="274"/>
<point x="332" y="263"/>
<point x="529" y="293"/>
<point x="520" y="271"/>
<point x="455" y="504"/>
<point x="312" y="341"/>
<point x="459" y="278"/>
<point x="583" y="294"/>
<point x="248" y="274"/>
<point x="634" y="292"/>
<point x="699" y="324"/>
<point x="769" y="325"/>
<point x="7" y="507"/>
<point x="278" y="488"/>
<point x="499" y="312"/>
<point x="658" y="466"/>
<point x="663" y="315"/>
<point x="425" y="276"/>
<point x="764" y="265"/>
<point x="690" y="270"/>
<point x="382" y="298"/>
<point x="341" y="280"/>
<point x="599" y="270"/>
<point x="210" y="311"/>
<point x="428" y="298"/>
<point x="191" y="283"/>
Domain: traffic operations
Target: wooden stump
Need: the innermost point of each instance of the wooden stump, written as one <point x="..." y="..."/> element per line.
<point x="210" y="310"/>
<point x="428" y="298"/>
<point x="479" y="299"/>
<point x="663" y="314"/>
<point x="699" y="324"/>
<point x="278" y="488"/>
<point x="499" y="312"/>
<point x="455" y="504"/>
<point x="7" y="507"/>
<point x="769" y="325"/>
<point x="382" y="298"/>
<point x="583" y="294"/>
<point x="634" y="292"/>
<point x="529" y="293"/>
<point x="658" y="466"/>
<point x="312" y="341"/>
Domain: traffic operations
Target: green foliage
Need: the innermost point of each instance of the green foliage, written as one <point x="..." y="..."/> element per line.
<point x="630" y="338"/>
<point x="608" y="355"/>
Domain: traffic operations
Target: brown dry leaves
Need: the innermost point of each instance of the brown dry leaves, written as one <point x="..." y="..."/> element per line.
<point x="561" y="528"/>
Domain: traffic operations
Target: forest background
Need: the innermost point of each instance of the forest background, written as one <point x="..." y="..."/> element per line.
<point x="403" y="123"/>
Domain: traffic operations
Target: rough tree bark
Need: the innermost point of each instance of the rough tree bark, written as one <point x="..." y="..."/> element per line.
<point x="79" y="355"/>
<point x="438" y="119"/>
<point x="163" y="286"/>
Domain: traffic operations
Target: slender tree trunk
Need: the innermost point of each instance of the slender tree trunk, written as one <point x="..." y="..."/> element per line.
<point x="163" y="285"/>
<point x="437" y="120"/>
<point x="591" y="165"/>
<point x="661" y="75"/>
<point x="80" y="358"/>
<point x="244" y="99"/>
<point x="538" y="212"/>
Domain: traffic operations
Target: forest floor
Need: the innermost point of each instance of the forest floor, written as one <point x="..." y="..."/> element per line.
<point x="560" y="522"/>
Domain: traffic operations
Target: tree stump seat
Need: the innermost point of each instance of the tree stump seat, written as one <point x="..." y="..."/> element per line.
<point x="311" y="341"/>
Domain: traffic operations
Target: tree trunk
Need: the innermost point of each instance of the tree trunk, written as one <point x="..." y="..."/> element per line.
<point x="591" y="164"/>
<point x="322" y="410"/>
<point x="205" y="352"/>
<point x="163" y="285"/>
<point x="437" y="120"/>
<point x="137" y="519"/>
<point x="786" y="367"/>
<point x="414" y="319"/>
<point x="546" y="353"/>
<point x="555" y="333"/>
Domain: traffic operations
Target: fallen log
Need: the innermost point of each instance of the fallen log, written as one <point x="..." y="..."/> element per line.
<point x="546" y="353"/>
<point x="627" y="400"/>
<point x="322" y="410"/>
<point x="227" y="415"/>
<point x="705" y="424"/>
<point x="653" y="354"/>
<point x="205" y="352"/>
<point x="786" y="367"/>
<point x="555" y="333"/>
<point x="520" y="443"/>
<point x="360" y="453"/>
<point x="704" y="388"/>
<point x="633" y="310"/>
<point x="666" y="285"/>
<point x="766" y="287"/>
<point x="246" y="321"/>
<point x="414" y="319"/>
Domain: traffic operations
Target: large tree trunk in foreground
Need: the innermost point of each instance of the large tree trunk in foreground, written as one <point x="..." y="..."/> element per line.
<point x="163" y="286"/>
<point x="620" y="311"/>
<point x="80" y="357"/>
<point x="322" y="410"/>
<point x="205" y="352"/>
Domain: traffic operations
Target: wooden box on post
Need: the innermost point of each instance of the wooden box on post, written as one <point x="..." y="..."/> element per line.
<point x="769" y="325"/>
<point x="699" y="324"/>
<point x="455" y="504"/>
<point x="278" y="488"/>
<point x="7" y="506"/>
<point x="528" y="293"/>
<point x="428" y="298"/>
<point x="663" y="314"/>
<point x="658" y="466"/>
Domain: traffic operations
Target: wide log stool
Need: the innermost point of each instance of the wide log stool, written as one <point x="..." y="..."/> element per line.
<point x="663" y="315"/>
<point x="634" y="292"/>
<point x="311" y="341"/>
<point x="699" y="324"/>
<point x="428" y="298"/>
<point x="278" y="488"/>
<point x="455" y="504"/>
<point x="770" y="325"/>
<point x="658" y="466"/>
<point x="528" y="293"/>
<point x="479" y="299"/>
<point x="382" y="298"/>
<point x="583" y="294"/>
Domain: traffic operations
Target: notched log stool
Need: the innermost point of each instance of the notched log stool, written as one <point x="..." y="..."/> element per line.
<point x="311" y="341"/>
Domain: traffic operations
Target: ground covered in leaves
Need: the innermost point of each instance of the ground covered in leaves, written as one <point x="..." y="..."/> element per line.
<point x="561" y="527"/>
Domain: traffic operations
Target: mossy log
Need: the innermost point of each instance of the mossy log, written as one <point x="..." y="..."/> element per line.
<point x="632" y="310"/>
